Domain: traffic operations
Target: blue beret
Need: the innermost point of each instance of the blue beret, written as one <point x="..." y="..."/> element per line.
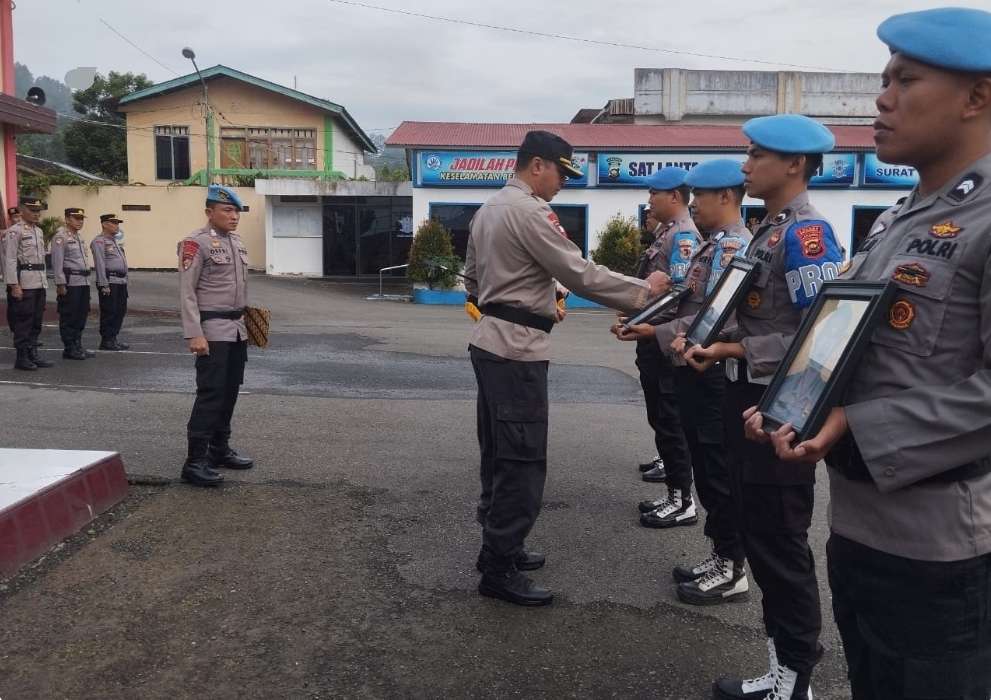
<point x="223" y="195"/>
<point x="669" y="178"/>
<point x="955" y="38"/>
<point x="790" y="133"/>
<point x="715" y="175"/>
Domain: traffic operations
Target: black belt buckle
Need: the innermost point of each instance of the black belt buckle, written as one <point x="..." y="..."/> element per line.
<point x="30" y="267"/>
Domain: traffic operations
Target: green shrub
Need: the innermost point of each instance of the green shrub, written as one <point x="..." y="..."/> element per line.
<point x="49" y="227"/>
<point x="619" y="245"/>
<point x="432" y="243"/>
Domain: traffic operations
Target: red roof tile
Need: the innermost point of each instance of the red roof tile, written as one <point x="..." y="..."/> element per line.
<point x="598" y="136"/>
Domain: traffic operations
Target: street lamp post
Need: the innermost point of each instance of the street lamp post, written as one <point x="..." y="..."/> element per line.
<point x="191" y="55"/>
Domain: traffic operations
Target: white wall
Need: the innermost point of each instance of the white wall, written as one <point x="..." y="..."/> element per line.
<point x="294" y="238"/>
<point x="348" y="156"/>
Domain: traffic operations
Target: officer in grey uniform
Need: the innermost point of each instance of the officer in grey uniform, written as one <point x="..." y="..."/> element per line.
<point x="110" y="264"/>
<point x="516" y="250"/>
<point x="24" y="275"/>
<point x="213" y="279"/>
<point x="13" y="217"/>
<point x="797" y="252"/>
<point x="70" y="264"/>
<point x="909" y="451"/>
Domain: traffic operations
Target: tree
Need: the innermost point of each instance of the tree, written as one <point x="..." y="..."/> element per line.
<point x="58" y="97"/>
<point x="432" y="244"/>
<point x="89" y="144"/>
<point x="619" y="245"/>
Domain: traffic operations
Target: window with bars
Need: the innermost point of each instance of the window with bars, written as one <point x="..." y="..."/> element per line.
<point x="268" y="148"/>
<point x="172" y="152"/>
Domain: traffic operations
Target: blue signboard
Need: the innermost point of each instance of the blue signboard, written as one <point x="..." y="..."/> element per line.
<point x="879" y="174"/>
<point x="478" y="168"/>
<point x="838" y="170"/>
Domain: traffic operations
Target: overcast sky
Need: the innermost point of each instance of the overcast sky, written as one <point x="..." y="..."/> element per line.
<point x="385" y="68"/>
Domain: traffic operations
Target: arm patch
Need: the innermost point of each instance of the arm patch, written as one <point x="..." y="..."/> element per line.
<point x="190" y="249"/>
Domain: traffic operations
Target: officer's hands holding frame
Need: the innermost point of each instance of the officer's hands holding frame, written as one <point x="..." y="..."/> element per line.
<point x="812" y="450"/>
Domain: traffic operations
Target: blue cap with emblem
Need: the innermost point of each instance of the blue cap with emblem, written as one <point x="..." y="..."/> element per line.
<point x="669" y="178"/>
<point x="715" y="175"/>
<point x="790" y="133"/>
<point x="218" y="194"/>
<point x="955" y="38"/>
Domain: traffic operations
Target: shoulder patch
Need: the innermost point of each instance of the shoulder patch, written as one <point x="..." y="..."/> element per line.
<point x="556" y="223"/>
<point x="781" y="217"/>
<point x="189" y="250"/>
<point x="811" y="237"/>
<point x="963" y="189"/>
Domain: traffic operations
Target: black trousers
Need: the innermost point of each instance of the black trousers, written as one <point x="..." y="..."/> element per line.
<point x="661" y="402"/>
<point x="28" y="313"/>
<point x="512" y="439"/>
<point x="10" y="311"/>
<point x="219" y="377"/>
<point x="73" y="308"/>
<point x="113" y="307"/>
<point x="700" y="400"/>
<point x="910" y="628"/>
<point x="774" y="503"/>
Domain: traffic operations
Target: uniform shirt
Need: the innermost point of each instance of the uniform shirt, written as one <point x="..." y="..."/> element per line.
<point x="797" y="251"/>
<point x="707" y="266"/>
<point x="25" y="244"/>
<point x="672" y="250"/>
<point x="213" y="276"/>
<point x="68" y="256"/>
<point x="108" y="256"/>
<point x="919" y="402"/>
<point x="3" y="257"/>
<point x="516" y="249"/>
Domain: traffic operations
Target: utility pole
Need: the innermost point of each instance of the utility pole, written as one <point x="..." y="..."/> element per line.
<point x="191" y="55"/>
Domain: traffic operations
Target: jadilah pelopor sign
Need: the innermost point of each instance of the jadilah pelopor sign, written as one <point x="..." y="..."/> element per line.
<point x="478" y="168"/>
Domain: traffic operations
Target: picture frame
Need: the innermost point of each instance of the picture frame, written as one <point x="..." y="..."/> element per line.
<point x="658" y="306"/>
<point x="720" y="303"/>
<point x="827" y="347"/>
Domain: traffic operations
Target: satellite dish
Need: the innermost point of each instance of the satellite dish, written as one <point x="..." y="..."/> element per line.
<point x="80" y="78"/>
<point x="36" y="96"/>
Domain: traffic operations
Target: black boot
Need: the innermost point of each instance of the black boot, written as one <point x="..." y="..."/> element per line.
<point x="120" y="345"/>
<point x="88" y="354"/>
<point x="33" y="354"/>
<point x="525" y="561"/>
<point x="513" y="587"/>
<point x="197" y="470"/>
<point x="223" y="457"/>
<point x="23" y="360"/>
<point x="109" y="344"/>
<point x="73" y="352"/>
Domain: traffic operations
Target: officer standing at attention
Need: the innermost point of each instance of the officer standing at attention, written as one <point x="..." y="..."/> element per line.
<point x="24" y="275"/>
<point x="909" y="553"/>
<point x="71" y="267"/>
<point x="13" y="217"/>
<point x="797" y="252"/>
<point x="717" y="190"/>
<point x="111" y="279"/>
<point x="213" y="279"/>
<point x="516" y="250"/>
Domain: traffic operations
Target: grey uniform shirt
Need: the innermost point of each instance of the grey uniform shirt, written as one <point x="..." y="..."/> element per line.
<point x="69" y="257"/>
<point x="25" y="244"/>
<point x="919" y="402"/>
<point x="516" y="249"/>
<point x="213" y="276"/>
<point x="672" y="250"/>
<point x="3" y="256"/>
<point x="108" y="261"/>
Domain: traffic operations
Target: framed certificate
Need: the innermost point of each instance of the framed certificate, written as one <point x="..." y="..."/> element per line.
<point x="719" y="304"/>
<point x="658" y="306"/>
<point x="830" y="341"/>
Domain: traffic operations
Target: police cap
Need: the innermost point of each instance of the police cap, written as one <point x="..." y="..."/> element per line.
<point x="551" y="147"/>
<point x="32" y="203"/>
<point x="716" y="174"/>
<point x="218" y="194"/>
<point x="955" y="38"/>
<point x="75" y="211"/>
<point x="790" y="133"/>
<point x="110" y="217"/>
<point x="669" y="178"/>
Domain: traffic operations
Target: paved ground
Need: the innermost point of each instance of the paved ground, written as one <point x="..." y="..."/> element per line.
<point x="341" y="566"/>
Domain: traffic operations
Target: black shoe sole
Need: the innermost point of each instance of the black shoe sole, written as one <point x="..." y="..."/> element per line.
<point x="199" y="482"/>
<point x="707" y="601"/>
<point x="665" y="526"/>
<point x="502" y="595"/>
<point x="26" y="369"/>
<point x="231" y="466"/>
<point x="654" y="479"/>
<point x="519" y="567"/>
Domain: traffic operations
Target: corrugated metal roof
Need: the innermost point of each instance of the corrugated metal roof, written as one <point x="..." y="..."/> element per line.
<point x="599" y="136"/>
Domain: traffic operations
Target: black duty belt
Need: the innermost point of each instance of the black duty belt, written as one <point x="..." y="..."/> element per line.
<point x="847" y="460"/>
<point x="232" y="315"/>
<point x="513" y="314"/>
<point x="114" y="273"/>
<point x="77" y="273"/>
<point x="34" y="267"/>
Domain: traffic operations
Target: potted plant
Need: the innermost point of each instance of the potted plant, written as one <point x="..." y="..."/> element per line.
<point x="433" y="266"/>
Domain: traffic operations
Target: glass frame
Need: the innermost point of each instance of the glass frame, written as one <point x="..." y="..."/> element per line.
<point x="749" y="269"/>
<point x="658" y="306"/>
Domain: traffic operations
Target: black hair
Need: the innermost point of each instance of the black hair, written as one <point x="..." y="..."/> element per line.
<point x="685" y="192"/>
<point x="738" y="192"/>
<point x="523" y="160"/>
<point x="813" y="161"/>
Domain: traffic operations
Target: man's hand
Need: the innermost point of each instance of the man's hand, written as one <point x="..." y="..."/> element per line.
<point x="105" y="291"/>
<point x="679" y="343"/>
<point x="560" y="312"/>
<point x="60" y="290"/>
<point x="814" y="449"/>
<point x="640" y="331"/>
<point x="16" y="292"/>
<point x="199" y="346"/>
<point x="660" y="283"/>
<point x="753" y="426"/>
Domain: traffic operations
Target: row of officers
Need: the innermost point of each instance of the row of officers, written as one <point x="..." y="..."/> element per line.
<point x="26" y="278"/>
<point x="908" y="447"/>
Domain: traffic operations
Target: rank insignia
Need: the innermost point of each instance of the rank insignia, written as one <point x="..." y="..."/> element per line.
<point x="556" y="223"/>
<point x="901" y="314"/>
<point x="189" y="251"/>
<point x="774" y="239"/>
<point x="877" y="229"/>
<point x="967" y="185"/>
<point x="781" y="217"/>
<point x="913" y="274"/>
<point x="945" y="229"/>
<point x="753" y="300"/>
<point x="810" y="238"/>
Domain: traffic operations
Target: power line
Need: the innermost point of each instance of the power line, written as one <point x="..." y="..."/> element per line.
<point x="565" y="37"/>
<point x="111" y="28"/>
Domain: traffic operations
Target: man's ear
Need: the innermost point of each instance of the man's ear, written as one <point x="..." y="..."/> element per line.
<point x="978" y="98"/>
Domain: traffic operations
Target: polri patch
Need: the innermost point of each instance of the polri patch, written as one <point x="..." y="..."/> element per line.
<point x="811" y="239"/>
<point x="901" y="315"/>
<point x="556" y="223"/>
<point x="945" y="229"/>
<point x="913" y="274"/>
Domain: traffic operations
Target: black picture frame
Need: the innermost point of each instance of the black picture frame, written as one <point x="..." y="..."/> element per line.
<point x="832" y="337"/>
<point x="658" y="306"/>
<point x="720" y="303"/>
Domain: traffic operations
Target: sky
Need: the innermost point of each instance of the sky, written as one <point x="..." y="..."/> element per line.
<point x="386" y="68"/>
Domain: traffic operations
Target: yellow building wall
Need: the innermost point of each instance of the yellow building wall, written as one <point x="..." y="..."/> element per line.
<point x="150" y="237"/>
<point x="235" y="104"/>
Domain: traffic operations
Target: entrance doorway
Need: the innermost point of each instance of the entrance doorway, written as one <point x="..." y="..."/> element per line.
<point x="361" y="235"/>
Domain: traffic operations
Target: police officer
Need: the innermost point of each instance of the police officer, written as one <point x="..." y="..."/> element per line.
<point x="213" y="278"/>
<point x="111" y="279"/>
<point x="717" y="191"/>
<point x="71" y="266"/>
<point x="13" y="217"/>
<point x="797" y="251"/>
<point x="24" y="274"/>
<point x="909" y="553"/>
<point x="516" y="250"/>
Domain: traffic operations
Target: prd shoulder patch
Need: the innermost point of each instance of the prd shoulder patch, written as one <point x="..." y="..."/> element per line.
<point x="190" y="249"/>
<point x="810" y="237"/>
